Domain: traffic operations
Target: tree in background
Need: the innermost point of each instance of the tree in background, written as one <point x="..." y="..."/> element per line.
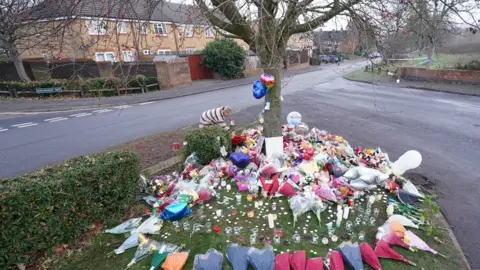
<point x="266" y="25"/>
<point x="24" y="23"/>
<point x="224" y="57"/>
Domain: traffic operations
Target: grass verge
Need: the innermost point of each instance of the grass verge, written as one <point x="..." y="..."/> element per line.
<point x="99" y="254"/>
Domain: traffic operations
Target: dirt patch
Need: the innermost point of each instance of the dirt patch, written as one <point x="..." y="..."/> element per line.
<point x="155" y="148"/>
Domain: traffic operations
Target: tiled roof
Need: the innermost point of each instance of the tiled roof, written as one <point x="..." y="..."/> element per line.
<point x="334" y="36"/>
<point x="152" y="10"/>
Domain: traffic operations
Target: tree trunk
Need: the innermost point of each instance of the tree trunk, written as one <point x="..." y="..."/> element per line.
<point x="273" y="118"/>
<point x="18" y="63"/>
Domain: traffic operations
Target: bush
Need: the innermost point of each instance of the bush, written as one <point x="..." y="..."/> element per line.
<point x="224" y="57"/>
<point x="206" y="144"/>
<point x="56" y="205"/>
<point x="473" y="65"/>
<point x="84" y="84"/>
<point x="30" y="86"/>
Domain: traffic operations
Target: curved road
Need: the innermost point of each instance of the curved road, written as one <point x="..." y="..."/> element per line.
<point x="445" y="128"/>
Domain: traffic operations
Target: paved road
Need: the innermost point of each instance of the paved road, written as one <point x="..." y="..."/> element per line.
<point x="445" y="128"/>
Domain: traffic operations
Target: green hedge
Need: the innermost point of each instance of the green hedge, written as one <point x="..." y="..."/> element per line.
<point x="94" y="83"/>
<point x="204" y="142"/>
<point x="56" y="205"/>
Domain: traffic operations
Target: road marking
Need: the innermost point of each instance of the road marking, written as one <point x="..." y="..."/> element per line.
<point x="3" y="129"/>
<point x="123" y="107"/>
<point x="51" y="120"/>
<point x="29" y="125"/>
<point x="145" y="103"/>
<point x="102" y="111"/>
<point x="80" y="114"/>
<point x="23" y="124"/>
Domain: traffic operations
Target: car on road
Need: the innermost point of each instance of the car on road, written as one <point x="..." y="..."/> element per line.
<point x="329" y="59"/>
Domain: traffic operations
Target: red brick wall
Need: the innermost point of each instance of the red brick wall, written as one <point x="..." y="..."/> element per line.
<point x="442" y="75"/>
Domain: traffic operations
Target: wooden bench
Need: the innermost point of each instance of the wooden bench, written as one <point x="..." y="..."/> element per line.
<point x="48" y="90"/>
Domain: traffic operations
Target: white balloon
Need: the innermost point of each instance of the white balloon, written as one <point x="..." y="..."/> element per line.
<point x="293" y="118"/>
<point x="410" y="160"/>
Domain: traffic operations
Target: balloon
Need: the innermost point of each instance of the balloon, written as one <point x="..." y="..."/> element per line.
<point x="410" y="160"/>
<point x="240" y="160"/>
<point x="259" y="89"/>
<point x="268" y="80"/>
<point x="301" y="129"/>
<point x="293" y="118"/>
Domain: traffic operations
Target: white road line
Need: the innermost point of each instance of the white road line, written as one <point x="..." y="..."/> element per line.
<point x="123" y="107"/>
<point x="23" y="124"/>
<point x="53" y="119"/>
<point x="80" y="114"/>
<point x="145" y="103"/>
<point x="102" y="111"/>
<point x="56" y="120"/>
<point x="29" y="125"/>
<point x="3" y="129"/>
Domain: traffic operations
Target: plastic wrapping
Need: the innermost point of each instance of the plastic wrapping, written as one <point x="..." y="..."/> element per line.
<point x="237" y="256"/>
<point x="336" y="261"/>
<point x="298" y="260"/>
<point x="282" y="261"/>
<point x="352" y="256"/>
<point x="125" y="226"/>
<point x="175" y="212"/>
<point x="175" y="261"/>
<point x="314" y="264"/>
<point x="211" y="260"/>
<point x="261" y="259"/>
<point x="145" y="247"/>
<point x="152" y="225"/>
<point x="130" y="242"/>
<point x="383" y="250"/>
<point x="299" y="205"/>
<point x="191" y="159"/>
<point x="406" y="222"/>
<point x="369" y="256"/>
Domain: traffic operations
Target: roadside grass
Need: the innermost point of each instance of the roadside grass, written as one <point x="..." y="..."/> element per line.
<point x="370" y="76"/>
<point x="99" y="254"/>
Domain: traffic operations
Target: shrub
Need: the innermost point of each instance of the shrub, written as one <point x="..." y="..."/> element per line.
<point x="473" y="65"/>
<point x="55" y="205"/>
<point x="224" y="57"/>
<point x="206" y="142"/>
<point x="83" y="84"/>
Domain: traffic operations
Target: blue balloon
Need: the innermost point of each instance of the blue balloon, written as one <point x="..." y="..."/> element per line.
<point x="259" y="89"/>
<point x="240" y="160"/>
<point x="175" y="212"/>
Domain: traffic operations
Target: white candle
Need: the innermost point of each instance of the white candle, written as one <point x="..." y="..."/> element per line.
<point x="218" y="212"/>
<point x="345" y="212"/>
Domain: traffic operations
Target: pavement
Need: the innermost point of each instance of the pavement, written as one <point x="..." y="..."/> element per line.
<point x="18" y="106"/>
<point x="391" y="81"/>
<point x="444" y="127"/>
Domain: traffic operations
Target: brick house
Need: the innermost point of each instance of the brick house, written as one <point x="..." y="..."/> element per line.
<point x="104" y="32"/>
<point x="330" y="42"/>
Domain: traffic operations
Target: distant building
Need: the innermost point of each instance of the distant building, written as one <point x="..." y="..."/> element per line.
<point x="115" y="33"/>
<point x="331" y="42"/>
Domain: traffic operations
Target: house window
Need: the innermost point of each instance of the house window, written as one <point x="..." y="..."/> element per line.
<point x="146" y="52"/>
<point x="121" y="27"/>
<point x="190" y="50"/>
<point x="143" y="28"/>
<point x="163" y="52"/>
<point x="105" y="56"/>
<point x="208" y="32"/>
<point x="188" y="30"/>
<point x="160" y="29"/>
<point x="329" y="42"/>
<point x="97" y="27"/>
<point x="127" y="56"/>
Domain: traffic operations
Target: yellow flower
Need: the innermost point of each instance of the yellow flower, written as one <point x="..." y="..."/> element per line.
<point x="340" y="139"/>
